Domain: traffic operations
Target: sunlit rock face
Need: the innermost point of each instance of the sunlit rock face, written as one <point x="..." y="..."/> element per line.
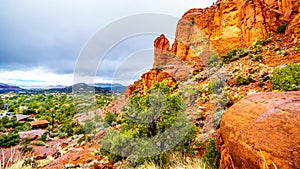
<point x="262" y="131"/>
<point x="225" y="25"/>
<point x="148" y="80"/>
<point x="239" y="23"/>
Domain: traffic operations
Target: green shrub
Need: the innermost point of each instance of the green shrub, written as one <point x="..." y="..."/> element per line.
<point x="215" y="86"/>
<point x="9" y="139"/>
<point x="256" y="51"/>
<point x="212" y="156"/>
<point x="213" y="60"/>
<point x="256" y="57"/>
<point x="79" y="130"/>
<point x="89" y="126"/>
<point x="25" y="145"/>
<point x="26" y="140"/>
<point x="267" y="39"/>
<point x="148" y="116"/>
<point x="61" y="134"/>
<point x="281" y="28"/>
<point x="43" y="138"/>
<point x="110" y="117"/>
<point x="253" y="70"/>
<point x="284" y="52"/>
<point x="287" y="78"/>
<point x="1" y="103"/>
<point x="38" y="143"/>
<point x="23" y="127"/>
<point x="229" y="101"/>
<point x="239" y="97"/>
<point x="217" y="118"/>
<point x="242" y="80"/>
<point x="227" y="58"/>
<point x="190" y="94"/>
<point x="258" y="43"/>
<point x="68" y="128"/>
<point x="234" y="54"/>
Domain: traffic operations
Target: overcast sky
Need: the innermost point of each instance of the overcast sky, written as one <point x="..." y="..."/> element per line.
<point x="40" y="40"/>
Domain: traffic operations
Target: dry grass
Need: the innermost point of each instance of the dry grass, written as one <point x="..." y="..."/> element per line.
<point x="176" y="161"/>
<point x="19" y="160"/>
<point x="15" y="160"/>
<point x="44" y="162"/>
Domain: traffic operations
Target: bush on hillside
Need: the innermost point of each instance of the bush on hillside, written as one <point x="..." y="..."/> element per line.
<point x="9" y="139"/>
<point x="43" y="137"/>
<point x="287" y="78"/>
<point x="78" y="130"/>
<point x="213" y="60"/>
<point x="67" y="128"/>
<point x="267" y="39"/>
<point x="212" y="156"/>
<point x="25" y="145"/>
<point x="109" y="118"/>
<point x="1" y="103"/>
<point x="234" y="54"/>
<point x="149" y="116"/>
<point x="242" y="80"/>
<point x="256" y="51"/>
<point x="215" y="86"/>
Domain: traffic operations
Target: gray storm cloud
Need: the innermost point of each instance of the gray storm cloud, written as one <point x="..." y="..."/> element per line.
<point x="51" y="33"/>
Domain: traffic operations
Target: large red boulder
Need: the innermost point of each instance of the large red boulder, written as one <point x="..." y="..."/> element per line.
<point x="262" y="131"/>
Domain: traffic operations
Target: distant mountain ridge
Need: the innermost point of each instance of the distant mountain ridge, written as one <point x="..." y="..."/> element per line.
<point x="99" y="88"/>
<point x="4" y="88"/>
<point x="112" y="87"/>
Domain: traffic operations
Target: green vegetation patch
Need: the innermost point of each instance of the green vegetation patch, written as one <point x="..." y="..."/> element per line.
<point x="267" y="39"/>
<point x="215" y="86"/>
<point x="10" y="139"/>
<point x="149" y="116"/>
<point x="287" y="78"/>
<point x="212" y="156"/>
<point x="281" y="28"/>
<point x="234" y="54"/>
<point x="213" y="60"/>
<point x="256" y="51"/>
<point x="243" y="80"/>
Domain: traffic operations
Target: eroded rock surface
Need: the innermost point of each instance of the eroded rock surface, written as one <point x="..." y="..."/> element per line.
<point x="262" y="130"/>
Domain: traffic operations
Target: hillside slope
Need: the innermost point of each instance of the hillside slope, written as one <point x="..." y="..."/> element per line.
<point x="220" y="55"/>
<point x="229" y="24"/>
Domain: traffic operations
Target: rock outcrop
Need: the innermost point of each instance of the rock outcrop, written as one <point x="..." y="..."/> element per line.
<point x="262" y="131"/>
<point x="239" y="23"/>
<point x="149" y="79"/>
<point x="226" y="25"/>
<point x="161" y="51"/>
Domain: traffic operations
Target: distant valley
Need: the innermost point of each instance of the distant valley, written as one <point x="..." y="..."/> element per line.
<point x="99" y="87"/>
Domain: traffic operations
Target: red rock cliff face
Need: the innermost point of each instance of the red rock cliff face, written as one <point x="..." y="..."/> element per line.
<point x="226" y="25"/>
<point x="235" y="23"/>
